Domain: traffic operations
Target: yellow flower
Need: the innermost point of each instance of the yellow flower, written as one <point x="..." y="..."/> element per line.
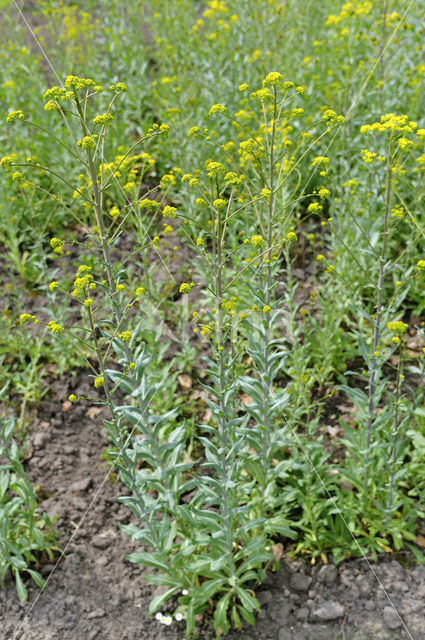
<point x="214" y="169"/>
<point x="53" y="285"/>
<point x="314" y="207"/>
<point x="169" y="211"/>
<point x="88" y="142"/>
<point x="193" y="131"/>
<point x="320" y="160"/>
<point x="267" y="309"/>
<point x="103" y="119"/>
<point x="217" y="108"/>
<point x="15" y="115"/>
<point x="55" y="327"/>
<point x="149" y="205"/>
<point x="398" y="327"/>
<point x="99" y="382"/>
<point x="185" y="287"/>
<point x="323" y="192"/>
<point x="258" y="242"/>
<point x="272" y="79"/>
<point x="51" y="106"/>
<point x="26" y="317"/>
<point x="125" y="336"/>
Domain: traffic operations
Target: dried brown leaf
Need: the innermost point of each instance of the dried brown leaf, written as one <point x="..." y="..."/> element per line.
<point x="185" y="381"/>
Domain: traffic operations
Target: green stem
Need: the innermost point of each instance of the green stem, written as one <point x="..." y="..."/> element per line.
<point x="379" y="311"/>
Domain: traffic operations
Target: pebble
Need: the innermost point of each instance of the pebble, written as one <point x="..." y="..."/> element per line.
<point x="81" y="485"/>
<point x="391" y="618"/>
<point x="46" y="570"/>
<point x="97" y="613"/>
<point x="101" y="542"/>
<point x="328" y="574"/>
<point x="300" y="582"/>
<point x="330" y="610"/>
<point x="302" y="614"/>
<point x="265" y="597"/>
<point x="40" y="439"/>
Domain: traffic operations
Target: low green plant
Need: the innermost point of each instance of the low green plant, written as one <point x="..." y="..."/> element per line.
<point x="24" y="533"/>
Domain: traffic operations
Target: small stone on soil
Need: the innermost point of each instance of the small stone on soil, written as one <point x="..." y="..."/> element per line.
<point x="391" y="618"/>
<point x="329" y="611"/>
<point x="101" y="542"/>
<point x="81" y="485"/>
<point x="328" y="574"/>
<point x="97" y="613"/>
<point x="300" y="582"/>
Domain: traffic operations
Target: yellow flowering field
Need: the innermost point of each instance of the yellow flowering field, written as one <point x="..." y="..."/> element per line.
<point x="213" y="247"/>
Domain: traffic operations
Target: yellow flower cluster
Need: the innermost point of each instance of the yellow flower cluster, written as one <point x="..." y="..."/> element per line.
<point x="397" y="211"/>
<point x="370" y="156"/>
<point x="7" y="161"/>
<point x="83" y="281"/>
<point x="272" y="79"/>
<point x="99" y="382"/>
<point x="231" y="178"/>
<point x="15" y="115"/>
<point x="320" y="160"/>
<point x="125" y="336"/>
<point x="349" y="9"/>
<point x="149" y="205"/>
<point x="262" y="94"/>
<point x="103" y="119"/>
<point x="391" y="122"/>
<point x="55" y="327"/>
<point x="78" y="84"/>
<point x="217" y="108"/>
<point x="314" y="207"/>
<point x="258" y="242"/>
<point x="56" y="245"/>
<point x="185" y="287"/>
<point x="398" y="327"/>
<point x="214" y="169"/>
<point x="26" y="317"/>
<point x="114" y="212"/>
<point x="323" y="193"/>
<point x="51" y="106"/>
<point x="169" y="212"/>
<point x="330" y="117"/>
